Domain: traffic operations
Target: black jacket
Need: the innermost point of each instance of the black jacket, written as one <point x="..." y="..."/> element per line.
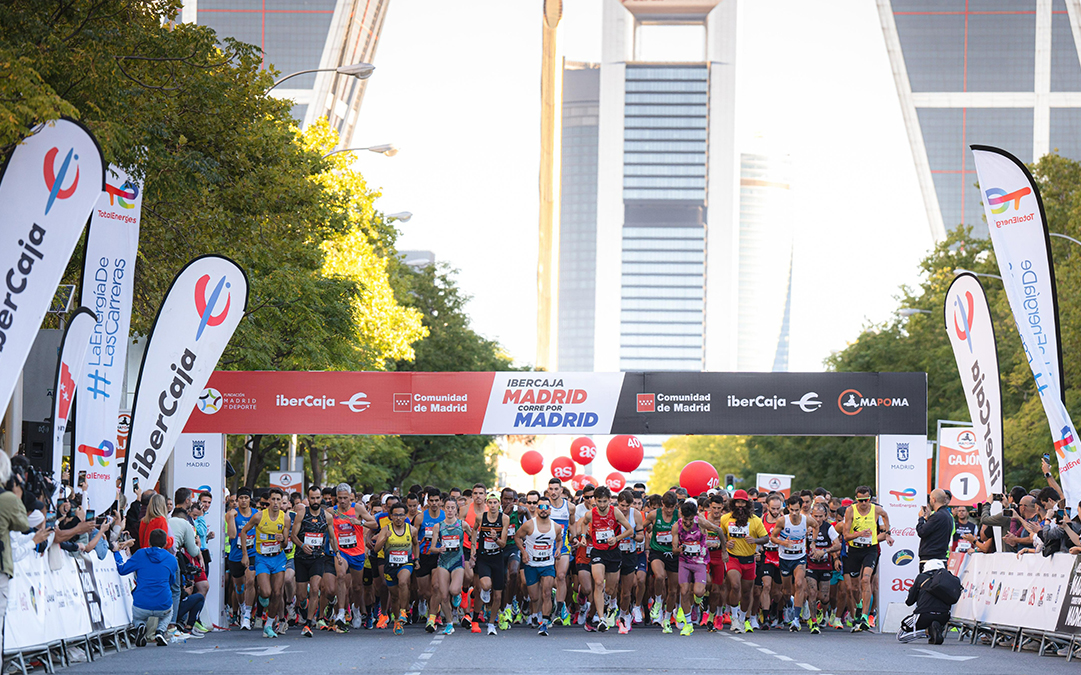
<point x="935" y="534"/>
<point x="925" y="601"/>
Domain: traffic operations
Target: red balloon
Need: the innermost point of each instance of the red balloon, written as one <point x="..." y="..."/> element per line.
<point x="532" y="462"/>
<point x="697" y="477"/>
<point x="583" y="450"/>
<point x="625" y="453"/>
<point x="615" y="482"/>
<point x="579" y="482"/>
<point x="563" y="468"/>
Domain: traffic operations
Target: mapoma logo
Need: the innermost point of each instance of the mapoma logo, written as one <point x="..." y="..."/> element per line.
<point x="852" y="402"/>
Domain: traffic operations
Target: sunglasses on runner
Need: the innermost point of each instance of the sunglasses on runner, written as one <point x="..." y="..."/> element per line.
<point x="542" y="507"/>
<point x="532" y="503"/>
<point x="863" y="499"/>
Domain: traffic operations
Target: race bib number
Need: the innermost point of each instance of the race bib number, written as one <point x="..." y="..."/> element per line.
<point x="862" y="541"/>
<point x="792" y="551"/>
<point x="605" y="535"/>
<point x="628" y="545"/>
<point x="347" y="540"/>
<point x="664" y="537"/>
<point x="542" y="553"/>
<point x="692" y="549"/>
<point x="313" y="539"/>
<point x="398" y="557"/>
<point x="273" y="548"/>
<point x="491" y="545"/>
<point x="452" y="543"/>
<point x="511" y="529"/>
<point x="737" y="532"/>
<point x="429" y="532"/>
<point x="963" y="545"/>
<point x="713" y="541"/>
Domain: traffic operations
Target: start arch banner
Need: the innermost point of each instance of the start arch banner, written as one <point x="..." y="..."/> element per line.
<point x="774" y="404"/>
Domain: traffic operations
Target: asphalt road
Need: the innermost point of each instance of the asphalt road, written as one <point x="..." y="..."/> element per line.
<point x="571" y="651"/>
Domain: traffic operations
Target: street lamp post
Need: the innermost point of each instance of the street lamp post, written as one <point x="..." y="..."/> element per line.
<point x="360" y="71"/>
<point x="387" y="149"/>
<point x="911" y="311"/>
<point x="1063" y="236"/>
<point x="961" y="270"/>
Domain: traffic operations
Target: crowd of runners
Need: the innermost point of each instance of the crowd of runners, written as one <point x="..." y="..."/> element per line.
<point x="488" y="560"/>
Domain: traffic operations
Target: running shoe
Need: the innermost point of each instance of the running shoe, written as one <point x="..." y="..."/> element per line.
<point x="815" y="630"/>
<point x="865" y="622"/>
<point x="794" y="626"/>
<point x="358" y="620"/>
<point x="681" y="618"/>
<point x="245" y="623"/>
<point x="737" y="626"/>
<point x="430" y="626"/>
<point x="467" y="621"/>
<point x="870" y="620"/>
<point x="485" y="596"/>
<point x="283" y="627"/>
<point x="857" y="626"/>
<point x="543" y="630"/>
<point x="754" y="623"/>
<point x="590" y="628"/>
<point x="491" y="629"/>
<point x="834" y="622"/>
<point x="160" y="640"/>
<point x="718" y="623"/>
<point x="565" y="615"/>
<point x="688" y="628"/>
<point x="140" y="635"/>
<point x="448" y="629"/>
<point x="382" y="622"/>
<point x="747" y="627"/>
<point x="321" y="624"/>
<point x="340" y="626"/>
<point x="602" y="624"/>
<point x="636" y="613"/>
<point x="666" y="627"/>
<point x="369" y="622"/>
<point x="504" y="622"/>
<point x="624" y="626"/>
<point x="474" y="627"/>
<point x="201" y="627"/>
<point x="399" y="629"/>
<point x="706" y="619"/>
<point x="306" y="631"/>
<point x="655" y="613"/>
<point x="268" y="630"/>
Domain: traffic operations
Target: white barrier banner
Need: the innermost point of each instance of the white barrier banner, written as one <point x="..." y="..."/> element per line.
<point x="46" y="605"/>
<point x="196" y="320"/>
<point x="198" y="463"/>
<point x="972" y="335"/>
<point x="108" y="279"/>
<point x="1015" y="218"/>
<point x="48" y="187"/>
<point x="1025" y="591"/>
<point x="69" y="368"/>
<point x="902" y="490"/>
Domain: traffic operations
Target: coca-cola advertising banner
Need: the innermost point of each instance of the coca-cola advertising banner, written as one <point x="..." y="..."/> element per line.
<point x="778" y="404"/>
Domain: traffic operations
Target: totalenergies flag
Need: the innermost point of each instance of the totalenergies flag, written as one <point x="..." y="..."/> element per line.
<point x="49" y="184"/>
<point x="107" y="287"/>
<point x="972" y="336"/>
<point x="1018" y="226"/>
<point x="194" y="324"/>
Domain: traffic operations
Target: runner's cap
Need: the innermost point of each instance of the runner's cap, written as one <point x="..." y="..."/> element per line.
<point x="741" y="494"/>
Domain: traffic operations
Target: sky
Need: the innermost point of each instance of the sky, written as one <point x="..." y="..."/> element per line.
<point x="459" y="93"/>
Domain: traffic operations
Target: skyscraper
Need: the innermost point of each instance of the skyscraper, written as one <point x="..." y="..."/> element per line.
<point x="300" y="35"/>
<point x="995" y="72"/>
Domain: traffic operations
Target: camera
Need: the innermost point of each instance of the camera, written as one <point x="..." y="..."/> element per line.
<point x="37" y="485"/>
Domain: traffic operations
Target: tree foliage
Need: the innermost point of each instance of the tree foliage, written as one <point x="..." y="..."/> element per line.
<point x="920" y="343"/>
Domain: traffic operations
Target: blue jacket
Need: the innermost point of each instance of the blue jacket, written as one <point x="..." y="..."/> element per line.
<point x="156" y="571"/>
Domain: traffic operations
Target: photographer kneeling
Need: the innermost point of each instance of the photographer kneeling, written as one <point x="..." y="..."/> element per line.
<point x="933" y="593"/>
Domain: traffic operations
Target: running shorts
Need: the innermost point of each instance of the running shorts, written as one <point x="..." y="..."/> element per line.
<point x="716" y="571"/>
<point x="692" y="573"/>
<point x="744" y="564"/>
<point x="491" y="566"/>
<point x="511" y="552"/>
<point x="643" y="561"/>
<point x="427" y="563"/>
<point x="355" y="562"/>
<point x="628" y="563"/>
<point x="859" y="558"/>
<point x="766" y="569"/>
<point x="390" y="573"/>
<point x="788" y="567"/>
<point x="237" y="568"/>
<point x="610" y="558"/>
<point x="269" y="564"/>
<point x="533" y="574"/>
<point x="671" y="563"/>
<point x="307" y="568"/>
<point x="820" y="575"/>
